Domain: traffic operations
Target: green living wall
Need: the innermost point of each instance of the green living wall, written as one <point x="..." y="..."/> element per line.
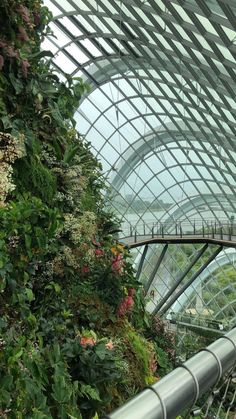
<point x="75" y="341"/>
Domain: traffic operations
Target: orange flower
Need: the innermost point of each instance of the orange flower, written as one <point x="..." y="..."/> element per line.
<point x="84" y="341"/>
<point x="120" y="247"/>
<point x="109" y="345"/>
<point x="116" y="250"/>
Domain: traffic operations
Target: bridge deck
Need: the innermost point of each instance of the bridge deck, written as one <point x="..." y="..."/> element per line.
<point x="141" y="240"/>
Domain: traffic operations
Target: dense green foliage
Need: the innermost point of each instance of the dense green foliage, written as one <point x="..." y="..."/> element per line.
<point x="74" y="338"/>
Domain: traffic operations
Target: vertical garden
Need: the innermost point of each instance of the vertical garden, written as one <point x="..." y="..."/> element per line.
<point x="75" y="341"/>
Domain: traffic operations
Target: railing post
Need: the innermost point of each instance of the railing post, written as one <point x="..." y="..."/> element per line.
<point x="162" y="230"/>
<point x="230" y="231"/>
<point x="144" y="230"/>
<point x="135" y="236"/>
<point x="152" y="231"/>
<point x="194" y="228"/>
<point x="131" y="231"/>
<point x="176" y="229"/>
<point x="181" y="231"/>
<point x="221" y="232"/>
<point x="203" y="230"/>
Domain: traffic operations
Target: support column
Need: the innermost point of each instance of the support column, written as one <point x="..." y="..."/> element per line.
<point x="180" y="278"/>
<point x="154" y="272"/>
<point x="191" y="280"/>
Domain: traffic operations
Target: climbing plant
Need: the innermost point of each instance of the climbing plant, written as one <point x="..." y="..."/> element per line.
<point x="68" y="348"/>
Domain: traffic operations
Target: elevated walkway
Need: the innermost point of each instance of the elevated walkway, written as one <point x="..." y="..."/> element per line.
<point x="139" y="240"/>
<point x="210" y="232"/>
<point x="174" y="295"/>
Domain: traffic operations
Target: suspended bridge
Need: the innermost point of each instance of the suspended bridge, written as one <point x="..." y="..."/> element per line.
<point x="211" y="232"/>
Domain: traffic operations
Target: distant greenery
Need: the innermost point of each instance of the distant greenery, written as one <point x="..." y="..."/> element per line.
<point x="217" y="291"/>
<point x="138" y="205"/>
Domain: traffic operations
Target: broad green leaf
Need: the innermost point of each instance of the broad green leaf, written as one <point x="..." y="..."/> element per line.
<point x="42" y="54"/>
<point x="30" y="294"/>
<point x="16" y="83"/>
<point x="90" y="392"/>
<point x="15" y="357"/>
<point x="6" y="122"/>
<point x="61" y="390"/>
<point x="32" y="319"/>
<point x="27" y="242"/>
<point x="6" y="382"/>
<point x="5" y="397"/>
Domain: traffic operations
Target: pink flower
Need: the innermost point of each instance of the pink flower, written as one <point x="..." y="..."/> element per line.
<point x="125" y="306"/>
<point x="84" y="341"/>
<point x="129" y="302"/>
<point x="131" y="292"/>
<point x="24" y="12"/>
<point x="36" y="18"/>
<point x="109" y="345"/>
<point x="85" y="269"/>
<point x="1" y="62"/>
<point x="99" y="252"/>
<point x="22" y="34"/>
<point x="117" y="263"/>
<point x="25" y="67"/>
<point x="10" y="52"/>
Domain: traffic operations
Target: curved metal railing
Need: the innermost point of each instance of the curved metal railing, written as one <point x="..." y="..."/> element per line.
<point x="214" y="229"/>
<point x="211" y="372"/>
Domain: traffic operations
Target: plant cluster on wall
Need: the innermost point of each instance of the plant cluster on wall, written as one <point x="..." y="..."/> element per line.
<point x="75" y="341"/>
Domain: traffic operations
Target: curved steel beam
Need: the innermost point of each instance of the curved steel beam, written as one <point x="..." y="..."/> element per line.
<point x="221" y="260"/>
<point x="152" y="140"/>
<point x="198" y="201"/>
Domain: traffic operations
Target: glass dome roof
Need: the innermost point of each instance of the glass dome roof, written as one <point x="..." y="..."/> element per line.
<point x="161" y="111"/>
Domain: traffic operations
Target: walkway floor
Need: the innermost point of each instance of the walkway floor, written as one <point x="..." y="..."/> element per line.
<point x="141" y="240"/>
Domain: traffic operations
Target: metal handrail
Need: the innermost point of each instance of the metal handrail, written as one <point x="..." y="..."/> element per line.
<point x="206" y="228"/>
<point x="181" y="389"/>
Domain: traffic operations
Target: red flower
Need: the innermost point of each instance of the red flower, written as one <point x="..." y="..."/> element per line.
<point x="99" y="252"/>
<point x="84" y="341"/>
<point x="1" y="62"/>
<point x="25" y="67"/>
<point x="96" y="243"/>
<point x="22" y="34"/>
<point x="85" y="269"/>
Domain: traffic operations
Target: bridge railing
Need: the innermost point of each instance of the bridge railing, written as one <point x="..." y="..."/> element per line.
<point x="207" y="228"/>
<point x="203" y="387"/>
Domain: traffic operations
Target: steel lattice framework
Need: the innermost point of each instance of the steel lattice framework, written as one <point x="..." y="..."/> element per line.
<point x="162" y="107"/>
